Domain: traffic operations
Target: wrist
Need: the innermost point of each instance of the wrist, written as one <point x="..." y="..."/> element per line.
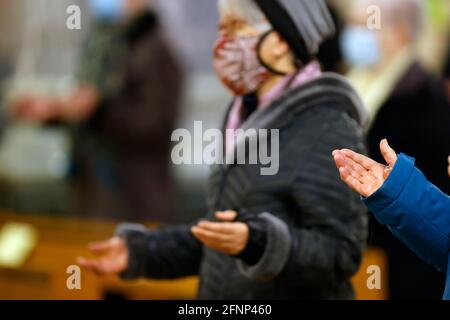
<point x="257" y="238"/>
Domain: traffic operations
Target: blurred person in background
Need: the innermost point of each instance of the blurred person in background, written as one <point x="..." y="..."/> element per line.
<point x="447" y="72"/>
<point x="5" y="71"/>
<point x="122" y="115"/>
<point x="297" y="234"/>
<point x="408" y="106"/>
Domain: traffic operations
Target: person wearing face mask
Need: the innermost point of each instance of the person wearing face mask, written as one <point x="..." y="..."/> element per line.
<point x="408" y="107"/>
<point x="297" y="234"/>
<point x="122" y="115"/>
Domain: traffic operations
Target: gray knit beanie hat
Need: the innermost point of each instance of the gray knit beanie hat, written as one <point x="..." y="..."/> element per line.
<point x="304" y="24"/>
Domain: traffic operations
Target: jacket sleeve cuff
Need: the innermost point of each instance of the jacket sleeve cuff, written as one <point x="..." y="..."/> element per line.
<point x="133" y="234"/>
<point x="276" y="253"/>
<point x="392" y="187"/>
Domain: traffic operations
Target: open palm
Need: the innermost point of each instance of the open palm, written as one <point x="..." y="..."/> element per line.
<point x="449" y="166"/>
<point x="113" y="257"/>
<point x="361" y="173"/>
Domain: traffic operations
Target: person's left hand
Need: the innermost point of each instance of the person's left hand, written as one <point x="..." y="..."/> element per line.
<point x="225" y="236"/>
<point x="449" y="166"/>
<point x="363" y="174"/>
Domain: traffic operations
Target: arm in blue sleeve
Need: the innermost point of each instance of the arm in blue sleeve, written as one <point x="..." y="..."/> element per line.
<point x="416" y="211"/>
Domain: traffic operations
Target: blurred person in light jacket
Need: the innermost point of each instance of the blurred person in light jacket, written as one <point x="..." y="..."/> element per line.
<point x="122" y="115"/>
<point x="409" y="107"/>
<point x="400" y="197"/>
<point x="298" y="233"/>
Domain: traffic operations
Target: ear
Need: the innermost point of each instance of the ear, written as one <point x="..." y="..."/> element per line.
<point x="281" y="47"/>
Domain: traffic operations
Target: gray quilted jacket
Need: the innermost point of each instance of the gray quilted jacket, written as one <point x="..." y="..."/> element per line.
<point x="316" y="228"/>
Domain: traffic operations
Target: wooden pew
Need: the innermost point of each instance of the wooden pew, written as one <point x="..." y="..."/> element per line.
<point x="62" y="239"/>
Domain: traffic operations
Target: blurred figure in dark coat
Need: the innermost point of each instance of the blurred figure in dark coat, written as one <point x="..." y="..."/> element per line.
<point x="296" y="232"/>
<point x="408" y="107"/>
<point x="447" y="72"/>
<point x="122" y="115"/>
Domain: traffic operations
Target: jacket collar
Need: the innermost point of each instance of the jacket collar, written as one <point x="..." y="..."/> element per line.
<point x="325" y="89"/>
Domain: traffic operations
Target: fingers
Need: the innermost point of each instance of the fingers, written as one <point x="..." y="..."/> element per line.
<point x="341" y="163"/>
<point x="229" y="243"/>
<point x="89" y="264"/>
<point x="349" y="176"/>
<point x="388" y="153"/>
<point x="344" y="167"/>
<point x="353" y="168"/>
<point x="363" y="161"/>
<point x="449" y="166"/>
<point x="219" y="227"/>
<point x="103" y="246"/>
<point x="84" y="262"/>
<point x="209" y="236"/>
<point x="101" y="266"/>
<point x="352" y="182"/>
<point x="210" y="239"/>
<point x="229" y="215"/>
<point x="356" y="170"/>
<point x="114" y="258"/>
<point x="344" y="173"/>
<point x="339" y="159"/>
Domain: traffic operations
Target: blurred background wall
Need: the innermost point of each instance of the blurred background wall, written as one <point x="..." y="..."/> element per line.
<point x="39" y="54"/>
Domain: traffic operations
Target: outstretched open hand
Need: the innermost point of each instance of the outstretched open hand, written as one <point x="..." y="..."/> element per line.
<point x="112" y="260"/>
<point x="449" y="166"/>
<point x="361" y="173"/>
<point x="227" y="235"/>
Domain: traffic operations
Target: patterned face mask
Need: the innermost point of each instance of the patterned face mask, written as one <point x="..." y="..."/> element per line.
<point x="237" y="65"/>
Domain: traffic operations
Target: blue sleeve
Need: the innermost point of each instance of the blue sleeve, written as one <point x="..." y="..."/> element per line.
<point x="416" y="211"/>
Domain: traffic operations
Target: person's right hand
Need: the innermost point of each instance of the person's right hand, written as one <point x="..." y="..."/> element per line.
<point x="113" y="260"/>
<point x="361" y="173"/>
<point x="38" y="109"/>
